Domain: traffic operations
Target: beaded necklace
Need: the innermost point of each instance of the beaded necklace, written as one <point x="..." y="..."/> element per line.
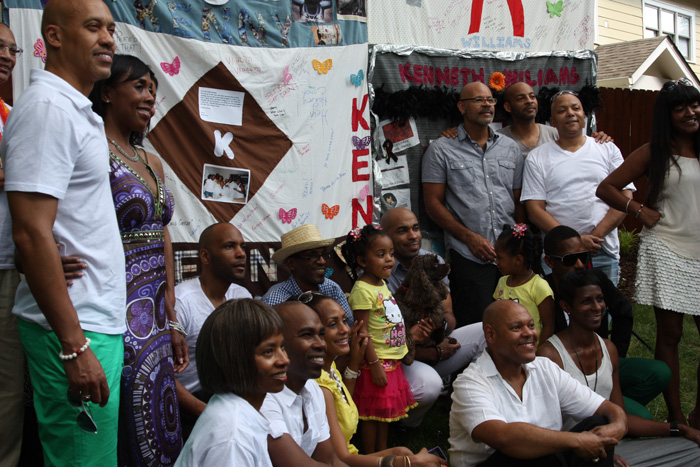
<point x="135" y="158"/>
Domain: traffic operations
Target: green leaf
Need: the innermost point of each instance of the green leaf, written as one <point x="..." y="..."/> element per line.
<point x="555" y="8"/>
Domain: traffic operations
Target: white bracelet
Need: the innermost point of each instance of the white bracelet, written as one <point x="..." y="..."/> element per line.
<point x="76" y="353"/>
<point x="350" y="374"/>
<point x="177" y="327"/>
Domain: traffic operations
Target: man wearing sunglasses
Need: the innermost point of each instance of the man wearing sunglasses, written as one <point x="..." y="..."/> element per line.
<point x="560" y="180"/>
<point x="306" y="254"/>
<point x="564" y="251"/>
<point x="471" y="187"/>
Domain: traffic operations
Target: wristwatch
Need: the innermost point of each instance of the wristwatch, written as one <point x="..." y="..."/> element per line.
<point x="674" y="432"/>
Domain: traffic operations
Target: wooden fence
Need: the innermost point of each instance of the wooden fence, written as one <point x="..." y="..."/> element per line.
<point x="626" y="116"/>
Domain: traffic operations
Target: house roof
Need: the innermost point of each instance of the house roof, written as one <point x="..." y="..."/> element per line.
<point x="641" y="64"/>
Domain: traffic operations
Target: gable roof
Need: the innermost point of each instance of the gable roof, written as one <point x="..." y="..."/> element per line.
<point x="641" y="64"/>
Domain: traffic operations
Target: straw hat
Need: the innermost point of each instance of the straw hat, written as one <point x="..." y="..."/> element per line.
<point x="305" y="237"/>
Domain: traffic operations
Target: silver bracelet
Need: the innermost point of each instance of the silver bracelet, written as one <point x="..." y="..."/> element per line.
<point x="177" y="327"/>
<point x="627" y="205"/>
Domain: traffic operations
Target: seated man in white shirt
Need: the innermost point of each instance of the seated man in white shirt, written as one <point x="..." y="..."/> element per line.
<point x="297" y="414"/>
<point x="508" y="405"/>
<point x="223" y="258"/>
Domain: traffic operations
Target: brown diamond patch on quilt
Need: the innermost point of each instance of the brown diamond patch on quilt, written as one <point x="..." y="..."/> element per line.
<point x="186" y="142"/>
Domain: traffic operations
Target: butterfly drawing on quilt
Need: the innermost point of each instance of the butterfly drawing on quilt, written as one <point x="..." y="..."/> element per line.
<point x="361" y="143"/>
<point x="171" y="68"/>
<point x="40" y="50"/>
<point x="357" y="79"/>
<point x="287" y="75"/>
<point x="330" y="211"/>
<point x="322" y="67"/>
<point x="288" y="216"/>
<point x="364" y="192"/>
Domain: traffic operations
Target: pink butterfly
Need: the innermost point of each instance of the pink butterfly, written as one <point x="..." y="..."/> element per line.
<point x="330" y="212"/>
<point x="361" y="143"/>
<point x="40" y="50"/>
<point x="288" y="216"/>
<point x="171" y="69"/>
<point x="364" y="192"/>
<point x="287" y="75"/>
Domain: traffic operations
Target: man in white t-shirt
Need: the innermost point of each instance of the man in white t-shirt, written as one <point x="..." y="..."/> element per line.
<point x="297" y="415"/>
<point x="57" y="182"/>
<point x="560" y="179"/>
<point x="223" y="258"/>
<point x="507" y="406"/>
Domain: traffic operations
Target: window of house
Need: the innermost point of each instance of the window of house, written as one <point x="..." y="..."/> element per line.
<point x="677" y="23"/>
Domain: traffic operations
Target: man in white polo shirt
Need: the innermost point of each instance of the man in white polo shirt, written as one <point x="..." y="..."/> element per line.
<point x="507" y="406"/>
<point x="57" y="182"/>
<point x="297" y="415"/>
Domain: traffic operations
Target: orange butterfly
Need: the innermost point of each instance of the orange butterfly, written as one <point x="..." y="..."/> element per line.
<point x="330" y="212"/>
<point x="322" y="67"/>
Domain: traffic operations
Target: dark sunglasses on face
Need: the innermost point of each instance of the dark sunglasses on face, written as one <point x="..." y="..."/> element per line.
<point x="84" y="418"/>
<point x="571" y="259"/>
<point x="315" y="257"/>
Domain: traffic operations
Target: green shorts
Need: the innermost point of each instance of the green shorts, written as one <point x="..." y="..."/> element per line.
<point x="64" y="443"/>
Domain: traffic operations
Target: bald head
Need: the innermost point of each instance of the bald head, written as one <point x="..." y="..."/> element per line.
<point x="290" y="311"/>
<point x="303" y="340"/>
<point x="207" y="236"/>
<point x="499" y="310"/>
<point x="515" y="89"/>
<point x="402" y="227"/>
<point x="7" y="60"/>
<point x="510" y="333"/>
<point x="79" y="41"/>
<point x="568" y="116"/>
<point x="475" y="108"/>
<point x="59" y="12"/>
<point x="222" y="254"/>
<point x="473" y="88"/>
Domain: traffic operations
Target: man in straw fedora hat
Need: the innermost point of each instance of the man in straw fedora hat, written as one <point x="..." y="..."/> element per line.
<point x="305" y="253"/>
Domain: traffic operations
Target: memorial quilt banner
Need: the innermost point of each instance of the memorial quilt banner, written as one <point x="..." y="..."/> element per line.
<point x="493" y="25"/>
<point x="282" y="126"/>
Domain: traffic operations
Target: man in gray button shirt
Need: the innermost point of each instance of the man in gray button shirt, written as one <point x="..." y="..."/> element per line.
<point x="471" y="187"/>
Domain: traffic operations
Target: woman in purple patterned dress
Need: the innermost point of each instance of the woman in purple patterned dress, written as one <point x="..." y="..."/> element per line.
<point x="149" y="417"/>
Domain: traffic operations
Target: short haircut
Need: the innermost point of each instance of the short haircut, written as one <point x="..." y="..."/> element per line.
<point x="205" y="236"/>
<point x="574" y="280"/>
<point x="557" y="235"/>
<point x="226" y="345"/>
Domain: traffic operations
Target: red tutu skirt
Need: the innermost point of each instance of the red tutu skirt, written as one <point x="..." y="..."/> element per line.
<point x="385" y="404"/>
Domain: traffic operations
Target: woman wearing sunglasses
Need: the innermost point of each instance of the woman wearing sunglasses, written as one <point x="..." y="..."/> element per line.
<point x="341" y="341"/>
<point x="669" y="251"/>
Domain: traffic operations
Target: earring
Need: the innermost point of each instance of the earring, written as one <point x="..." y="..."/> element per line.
<point x="107" y="101"/>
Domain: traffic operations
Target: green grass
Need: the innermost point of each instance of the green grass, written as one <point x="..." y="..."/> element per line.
<point x="435" y="428"/>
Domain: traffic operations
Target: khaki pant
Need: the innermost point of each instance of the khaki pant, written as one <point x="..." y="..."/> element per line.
<point x="11" y="373"/>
